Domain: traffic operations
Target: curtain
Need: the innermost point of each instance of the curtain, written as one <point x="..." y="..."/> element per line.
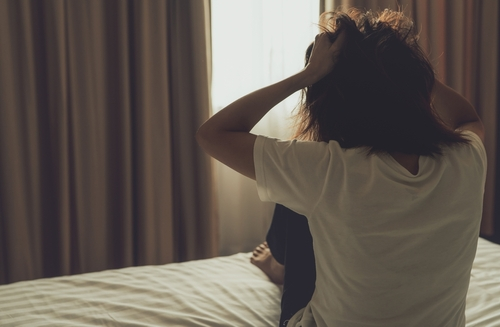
<point x="461" y="39"/>
<point x="99" y="104"/>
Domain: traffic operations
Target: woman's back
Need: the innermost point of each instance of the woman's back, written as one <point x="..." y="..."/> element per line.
<point x="391" y="248"/>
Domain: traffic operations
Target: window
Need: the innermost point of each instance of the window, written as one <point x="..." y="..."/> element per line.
<point x="255" y="43"/>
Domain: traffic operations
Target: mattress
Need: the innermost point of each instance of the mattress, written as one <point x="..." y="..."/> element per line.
<point x="222" y="291"/>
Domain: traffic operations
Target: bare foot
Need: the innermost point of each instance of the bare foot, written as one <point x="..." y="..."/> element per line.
<point x="263" y="258"/>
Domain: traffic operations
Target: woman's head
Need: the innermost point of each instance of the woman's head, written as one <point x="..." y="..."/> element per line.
<point x="379" y="92"/>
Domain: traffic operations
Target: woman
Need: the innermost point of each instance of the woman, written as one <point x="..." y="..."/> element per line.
<point x="389" y="169"/>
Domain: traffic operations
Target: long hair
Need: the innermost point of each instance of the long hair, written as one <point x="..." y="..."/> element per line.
<point x="378" y="95"/>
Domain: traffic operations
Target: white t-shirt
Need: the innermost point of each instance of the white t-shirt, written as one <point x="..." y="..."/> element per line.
<point x="391" y="248"/>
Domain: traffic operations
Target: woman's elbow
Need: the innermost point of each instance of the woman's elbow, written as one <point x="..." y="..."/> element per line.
<point x="208" y="138"/>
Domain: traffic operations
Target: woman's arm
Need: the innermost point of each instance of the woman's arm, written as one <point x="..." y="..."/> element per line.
<point x="455" y="111"/>
<point x="226" y="135"/>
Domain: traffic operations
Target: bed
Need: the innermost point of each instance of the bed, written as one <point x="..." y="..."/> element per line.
<point x="222" y="291"/>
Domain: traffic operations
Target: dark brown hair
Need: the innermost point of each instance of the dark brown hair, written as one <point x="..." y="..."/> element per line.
<point x="379" y="93"/>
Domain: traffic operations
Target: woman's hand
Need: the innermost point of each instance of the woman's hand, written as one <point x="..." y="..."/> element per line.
<point x="323" y="57"/>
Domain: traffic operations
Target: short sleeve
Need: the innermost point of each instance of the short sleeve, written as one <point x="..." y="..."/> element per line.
<point x="476" y="153"/>
<point x="478" y="146"/>
<point x="292" y="173"/>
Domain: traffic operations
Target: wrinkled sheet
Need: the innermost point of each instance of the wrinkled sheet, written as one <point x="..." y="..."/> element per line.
<point x="483" y="298"/>
<point x="223" y="291"/>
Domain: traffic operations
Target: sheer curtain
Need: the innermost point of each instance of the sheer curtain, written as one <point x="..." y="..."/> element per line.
<point x="461" y="39"/>
<point x="99" y="104"/>
<point x="255" y="43"/>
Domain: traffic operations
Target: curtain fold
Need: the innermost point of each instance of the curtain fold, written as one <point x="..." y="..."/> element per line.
<point x="99" y="104"/>
<point x="461" y="39"/>
<point x="190" y="62"/>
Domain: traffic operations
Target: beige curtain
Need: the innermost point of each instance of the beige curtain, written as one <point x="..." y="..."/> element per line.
<point x="99" y="103"/>
<point x="461" y="38"/>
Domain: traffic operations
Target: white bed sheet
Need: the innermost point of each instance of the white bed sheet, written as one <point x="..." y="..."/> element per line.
<point x="483" y="298"/>
<point x="223" y="291"/>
